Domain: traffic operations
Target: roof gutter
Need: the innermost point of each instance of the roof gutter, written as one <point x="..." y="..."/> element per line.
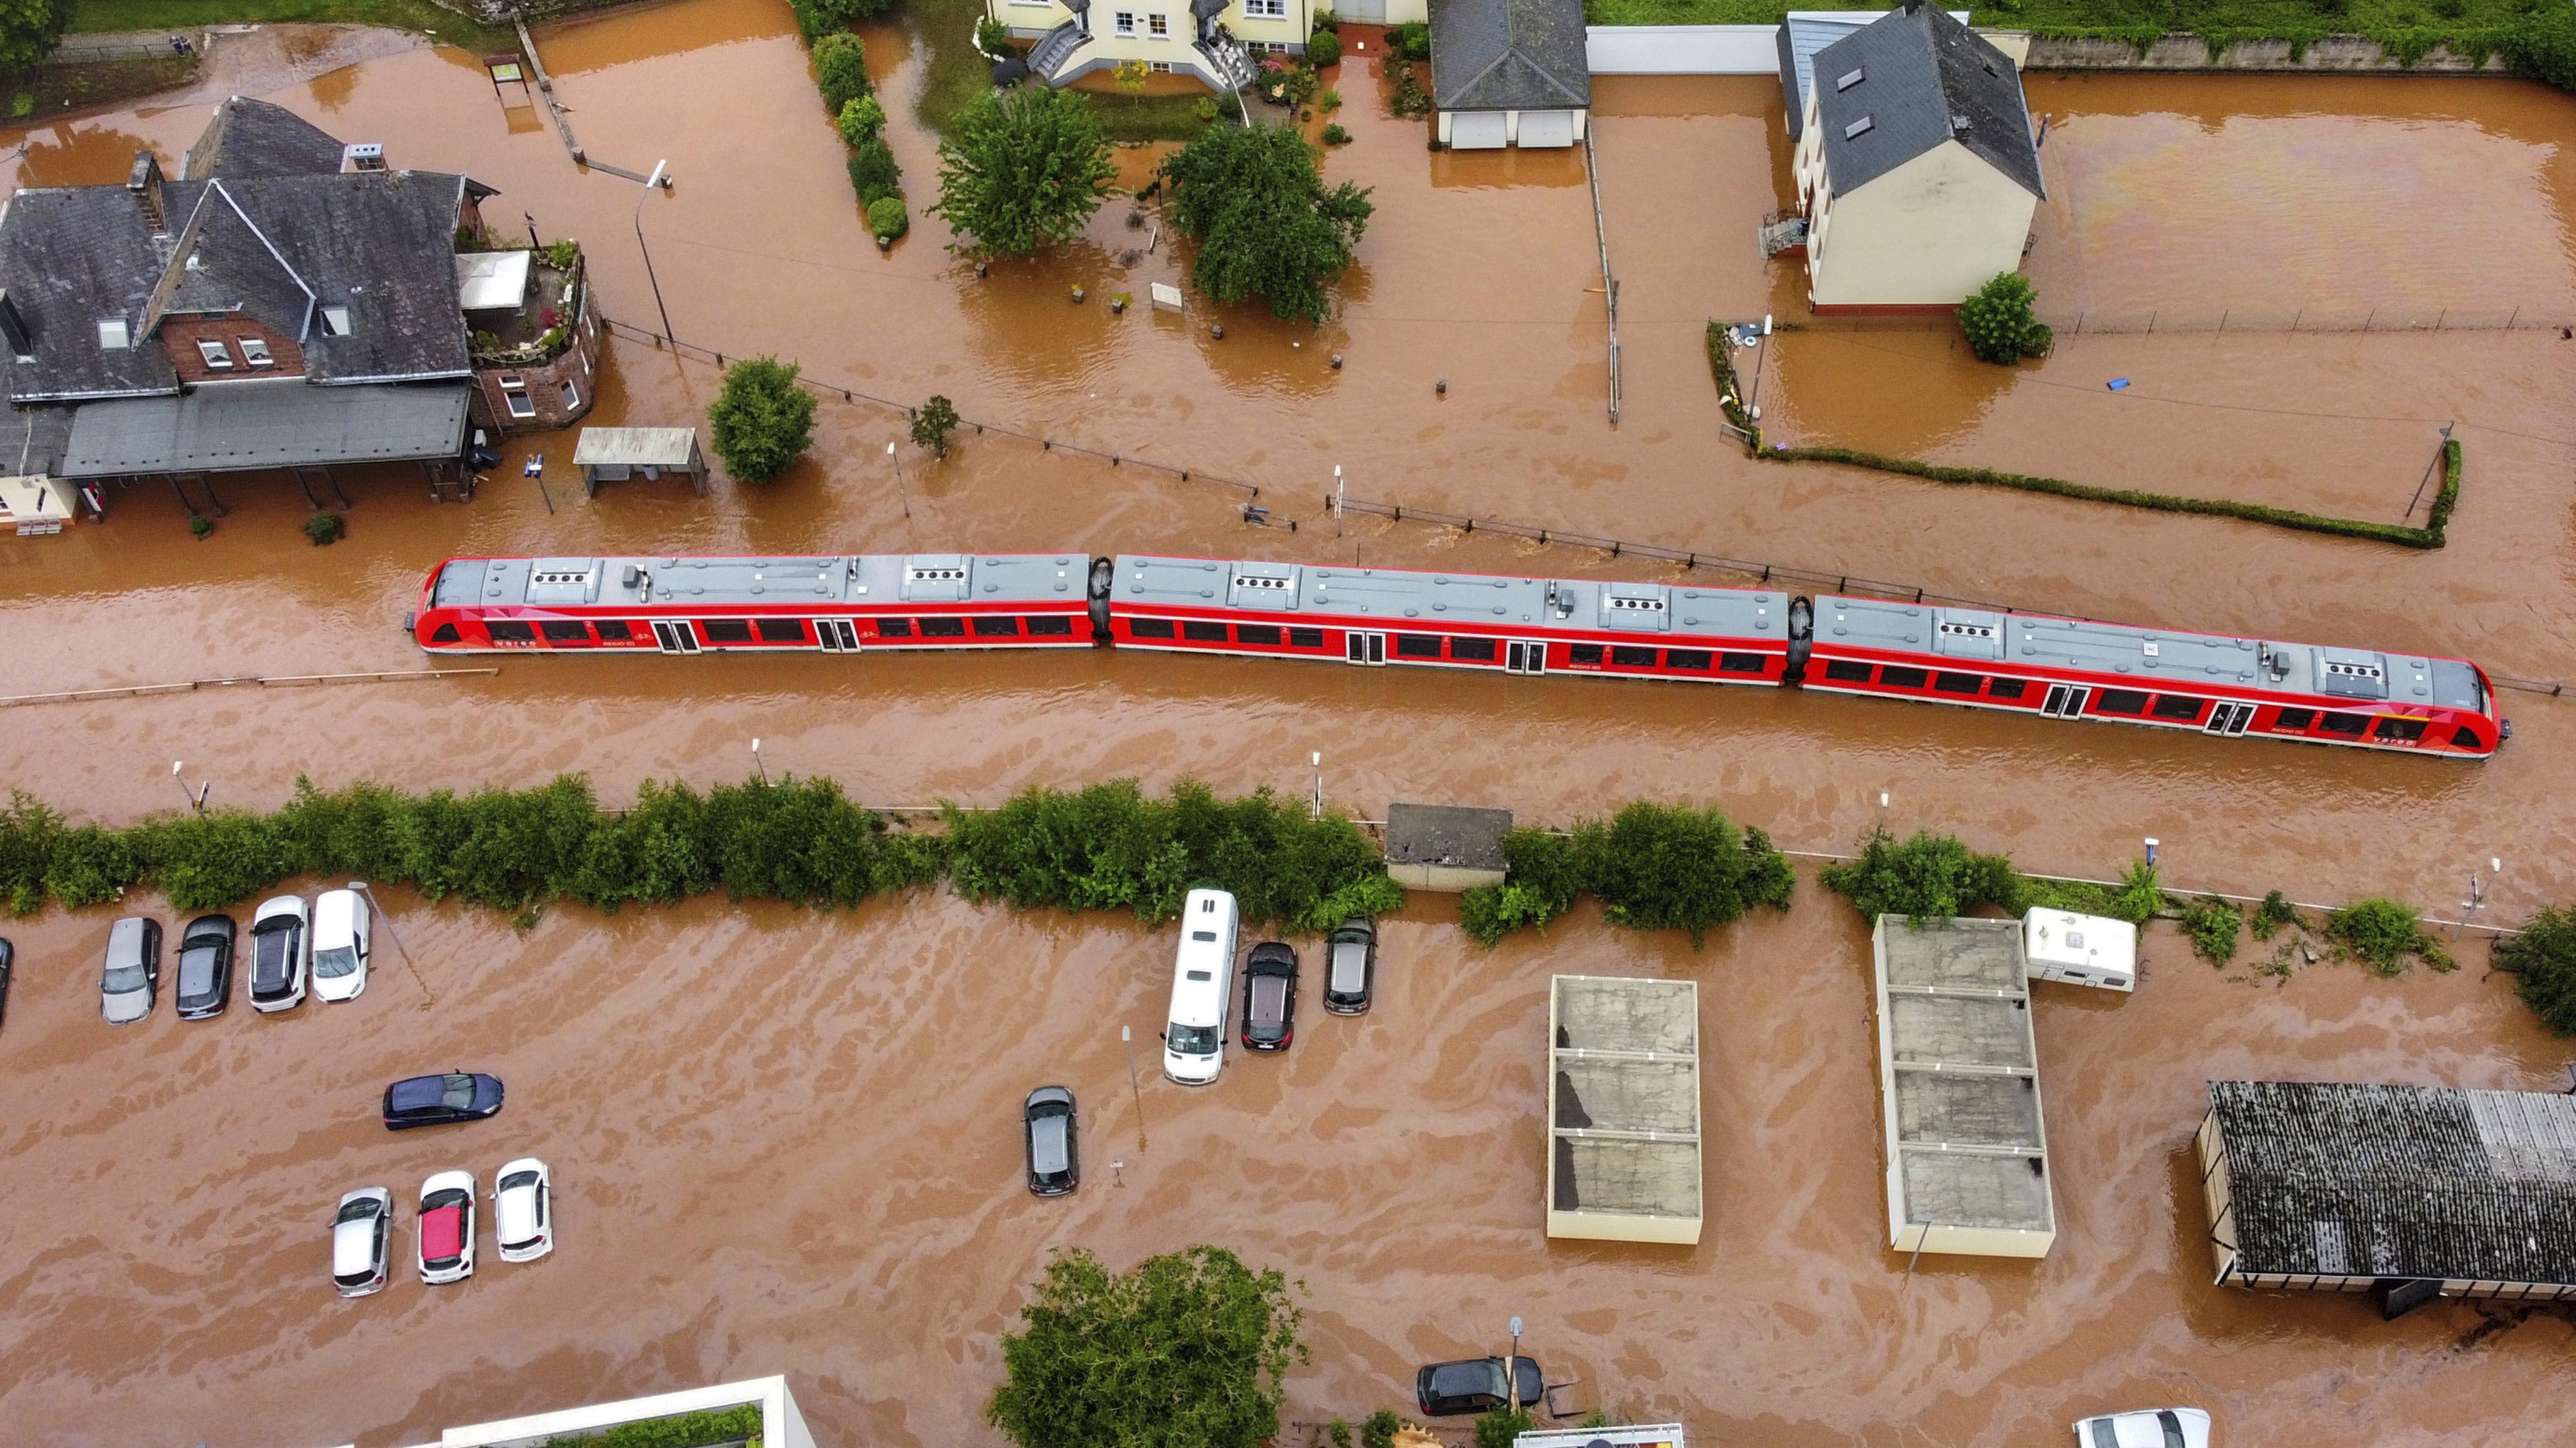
<point x="464" y="375"/>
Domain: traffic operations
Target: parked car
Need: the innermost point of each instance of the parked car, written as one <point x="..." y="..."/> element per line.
<point x="362" y="1238"/>
<point x="1450" y="1390"/>
<point x="523" y="1210"/>
<point x="1202" y="989"/>
<point x="1270" y="997"/>
<point x="279" y="953"/>
<point x="447" y="1227"/>
<point x="341" y="935"/>
<point x="8" y="956"/>
<point x="1350" y="967"/>
<point x="2149" y="1428"/>
<point x="131" y="983"/>
<point x="1051" y="1125"/>
<point x="205" y="967"/>
<point x="438" y="1100"/>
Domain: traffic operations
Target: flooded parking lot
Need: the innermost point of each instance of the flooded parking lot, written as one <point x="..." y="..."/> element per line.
<point x="785" y="1142"/>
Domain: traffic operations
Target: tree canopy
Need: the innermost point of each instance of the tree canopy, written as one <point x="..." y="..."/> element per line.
<point x="29" y="31"/>
<point x="762" y="421"/>
<point x="1254" y="201"/>
<point x="1022" y="169"/>
<point x="2542" y="960"/>
<point x="1186" y="1351"/>
<point x="818" y="18"/>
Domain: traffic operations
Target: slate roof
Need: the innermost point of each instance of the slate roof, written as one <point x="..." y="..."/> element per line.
<point x="1500" y="55"/>
<point x="270" y="423"/>
<point x="2408" y="1182"/>
<point x="1804" y="33"/>
<point x="1926" y="79"/>
<point x="249" y="139"/>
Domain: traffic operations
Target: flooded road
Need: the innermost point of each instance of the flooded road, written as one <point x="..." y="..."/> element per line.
<point x="786" y="1142"/>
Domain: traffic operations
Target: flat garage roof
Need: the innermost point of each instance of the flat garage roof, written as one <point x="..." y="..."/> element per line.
<point x="1623" y="1109"/>
<point x="282" y="422"/>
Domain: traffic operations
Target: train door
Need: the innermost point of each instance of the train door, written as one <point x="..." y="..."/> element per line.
<point x="839" y="635"/>
<point x="2229" y="719"/>
<point x="1363" y="647"/>
<point x="1525" y="658"/>
<point x="675" y="636"/>
<point x="2066" y="701"/>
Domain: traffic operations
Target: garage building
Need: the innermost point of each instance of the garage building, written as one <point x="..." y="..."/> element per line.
<point x="1509" y="73"/>
<point x="1623" y="1109"/>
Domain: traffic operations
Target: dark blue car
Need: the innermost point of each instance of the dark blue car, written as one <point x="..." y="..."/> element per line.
<point x="438" y="1100"/>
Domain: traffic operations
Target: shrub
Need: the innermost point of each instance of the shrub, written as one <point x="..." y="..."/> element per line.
<point x="1230" y="106"/>
<point x="1328" y="23"/>
<point x="861" y="119"/>
<point x="1378" y="1430"/>
<point x="1999" y="323"/>
<point x="1334" y="135"/>
<point x="931" y="424"/>
<point x="2212" y="924"/>
<point x="1498" y="1427"/>
<point x="1266" y="226"/>
<point x="1338" y="1432"/>
<point x="873" y="172"/>
<point x="1023" y="170"/>
<point x="28" y="832"/>
<point x="562" y="254"/>
<point x="199" y="525"/>
<point x="208" y="861"/>
<point x="1323" y="48"/>
<point x="325" y="528"/>
<point x="1543" y="874"/>
<point x="683" y="1430"/>
<point x="2542" y="961"/>
<point x="2134" y="899"/>
<point x="762" y="421"/>
<point x="1410" y="41"/>
<point x="819" y="20"/>
<point x="1653" y="867"/>
<point x="2272" y="914"/>
<point x="2542" y="45"/>
<point x="2381" y="934"/>
<point x="993" y="38"/>
<point x="1328" y="100"/>
<point x="841" y="70"/>
<point x="90" y="866"/>
<point x="1206" y="108"/>
<point x="1926" y="877"/>
<point x="887" y="218"/>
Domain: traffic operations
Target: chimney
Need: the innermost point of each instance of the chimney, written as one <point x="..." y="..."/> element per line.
<point x="143" y="183"/>
<point x="13" y="329"/>
<point x="362" y="156"/>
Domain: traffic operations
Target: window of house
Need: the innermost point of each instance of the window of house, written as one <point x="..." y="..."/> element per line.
<point x="113" y="335"/>
<point x="725" y="630"/>
<point x="1149" y="628"/>
<point x="1846" y="671"/>
<point x="782" y="631"/>
<point x="1902" y="678"/>
<point x="1051" y="625"/>
<point x="996" y="626"/>
<point x="571" y="394"/>
<point x="1125" y="21"/>
<point x="1305" y="638"/>
<point x="1203" y="633"/>
<point x="943" y="628"/>
<point x="514" y="393"/>
<point x="1859" y="128"/>
<point x="1417" y="646"/>
<point x="2120" y="701"/>
<point x="1159" y="67"/>
<point x="1631" y="656"/>
<point x="1687" y="659"/>
<point x="1583" y="653"/>
<point x="1160" y="27"/>
<point x="894" y="628"/>
<point x="565" y="631"/>
<point x="218" y="357"/>
<point x="2177" y="706"/>
<point x="255" y="352"/>
<point x="335" y="321"/>
<point x="1267" y="10"/>
<point x="1257" y="633"/>
<point x="1480" y="651"/>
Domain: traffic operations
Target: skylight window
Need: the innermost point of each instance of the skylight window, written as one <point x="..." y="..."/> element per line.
<point x="335" y="321"/>
<point x="255" y="352"/>
<point x="217" y="357"/>
<point x="1859" y="128"/>
<point x="113" y="335"/>
<point x="1849" y="79"/>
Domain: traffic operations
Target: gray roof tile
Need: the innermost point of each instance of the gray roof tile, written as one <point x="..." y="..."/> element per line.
<point x="1927" y="79"/>
<point x="1496" y="55"/>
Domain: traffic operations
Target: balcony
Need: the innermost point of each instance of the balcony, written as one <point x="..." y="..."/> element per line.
<point x="521" y="307"/>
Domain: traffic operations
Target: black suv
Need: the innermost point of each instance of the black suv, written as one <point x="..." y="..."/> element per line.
<point x="1450" y="1390"/>
<point x="1270" y="997"/>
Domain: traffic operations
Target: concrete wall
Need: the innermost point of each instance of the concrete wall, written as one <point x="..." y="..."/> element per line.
<point x="1682" y="49"/>
<point x="1442" y="879"/>
<point x="2190" y="52"/>
<point x="1926" y="234"/>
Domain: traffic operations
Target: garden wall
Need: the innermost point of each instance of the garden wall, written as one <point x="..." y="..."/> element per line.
<point x="2182" y="52"/>
<point x="1682" y="49"/>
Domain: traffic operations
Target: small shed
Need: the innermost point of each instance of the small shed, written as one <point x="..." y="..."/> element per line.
<point x="1445" y="847"/>
<point x="614" y="454"/>
<point x="492" y="281"/>
<point x="1634" y="1435"/>
<point x="1509" y="73"/>
<point x="1623" y="1109"/>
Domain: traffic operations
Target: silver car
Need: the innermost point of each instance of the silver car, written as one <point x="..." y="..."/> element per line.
<point x="362" y="1233"/>
<point x="132" y="981"/>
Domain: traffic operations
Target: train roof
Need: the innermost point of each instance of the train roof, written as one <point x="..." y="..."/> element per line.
<point x="1398" y="598"/>
<point x="770" y="580"/>
<point x="2157" y="658"/>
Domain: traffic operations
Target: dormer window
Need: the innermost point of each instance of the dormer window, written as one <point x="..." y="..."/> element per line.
<point x="1859" y="128"/>
<point x="113" y="335"/>
<point x="255" y="352"/>
<point x="1849" y="79"/>
<point x="335" y="321"/>
<point x="218" y="358"/>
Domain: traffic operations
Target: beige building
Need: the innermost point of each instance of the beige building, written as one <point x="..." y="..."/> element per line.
<point x="1916" y="166"/>
<point x="1219" y="42"/>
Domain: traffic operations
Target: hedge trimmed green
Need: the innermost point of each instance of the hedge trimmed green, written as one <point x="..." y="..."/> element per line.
<point x="1652" y="867"/>
<point x="1935" y="877"/>
<point x="2432" y="535"/>
<point x="683" y="1430"/>
<point x="1730" y="391"/>
<point x="2542" y="960"/>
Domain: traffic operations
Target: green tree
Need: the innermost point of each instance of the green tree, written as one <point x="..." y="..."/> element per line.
<point x="2000" y="326"/>
<point x="1186" y="1351"/>
<point x="1022" y="170"/>
<point x="887" y="219"/>
<point x="2542" y="960"/>
<point x="861" y="119"/>
<point x="2543" y="45"/>
<point x="29" y="31"/>
<point x="1256" y="204"/>
<point x="1928" y="877"/>
<point x="762" y="421"/>
<point x="820" y="18"/>
<point x="931" y="424"/>
<point x="840" y="70"/>
<point x="1323" y="48"/>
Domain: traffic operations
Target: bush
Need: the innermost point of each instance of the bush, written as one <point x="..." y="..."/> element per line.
<point x="1410" y="41"/>
<point x="1927" y="877"/>
<point x="1999" y="323"/>
<point x="28" y="832"/>
<point x="1023" y="170"/>
<point x="887" y="218"/>
<point x="326" y="528"/>
<point x="199" y="525"/>
<point x="2134" y="899"/>
<point x="208" y="861"/>
<point x="861" y="119"/>
<point x="1323" y="48"/>
<point x="841" y="70"/>
<point x="993" y="38"/>
<point x="1266" y="226"/>
<point x="2543" y="46"/>
<point x="1328" y="23"/>
<point x="1378" y="1430"/>
<point x="762" y="422"/>
<point x="819" y="20"/>
<point x="1652" y="867"/>
<point x="2542" y="961"/>
<point x="1328" y="100"/>
<point x="1230" y="106"/>
<point x="1498" y="1427"/>
<point x="1334" y="135"/>
<point x="2272" y="914"/>
<point x="873" y="172"/>
<point x="2381" y="934"/>
<point x="2212" y="924"/>
<point x="90" y="866"/>
<point x="931" y="424"/>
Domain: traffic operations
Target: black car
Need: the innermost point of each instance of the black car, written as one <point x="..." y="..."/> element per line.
<point x="1350" y="967"/>
<point x="1450" y="1390"/>
<point x="1270" y="997"/>
<point x="438" y="1100"/>
<point x="7" y="957"/>
<point x="1051" y="1125"/>
<point x="205" y="967"/>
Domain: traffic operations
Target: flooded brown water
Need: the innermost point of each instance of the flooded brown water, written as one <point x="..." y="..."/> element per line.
<point x="785" y="1142"/>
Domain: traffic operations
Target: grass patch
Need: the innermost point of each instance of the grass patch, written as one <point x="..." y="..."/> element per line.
<point x="1149" y="118"/>
<point x="954" y="72"/>
<point x="82" y="85"/>
<point x="413" y="15"/>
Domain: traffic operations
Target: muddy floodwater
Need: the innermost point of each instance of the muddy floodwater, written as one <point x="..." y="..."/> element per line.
<point x="787" y="1142"/>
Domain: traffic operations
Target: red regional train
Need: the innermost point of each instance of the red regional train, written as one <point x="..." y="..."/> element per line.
<point x="2031" y="663"/>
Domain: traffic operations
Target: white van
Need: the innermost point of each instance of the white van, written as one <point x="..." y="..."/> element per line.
<point x="1202" y="987"/>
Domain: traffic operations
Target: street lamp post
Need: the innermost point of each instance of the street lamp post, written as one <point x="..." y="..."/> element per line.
<point x="196" y="797"/>
<point x="1512" y="1369"/>
<point x="373" y="904"/>
<point x="659" y="179"/>
<point x="899" y="495"/>
<point x="1127" y="1038"/>
<point x="756" y="764"/>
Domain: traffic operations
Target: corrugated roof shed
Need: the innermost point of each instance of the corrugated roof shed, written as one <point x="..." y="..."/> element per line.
<point x="277" y="423"/>
<point x="1501" y="55"/>
<point x="1923" y="79"/>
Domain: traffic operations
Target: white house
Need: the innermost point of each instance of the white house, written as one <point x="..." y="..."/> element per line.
<point x="1214" y="40"/>
<point x="1916" y="165"/>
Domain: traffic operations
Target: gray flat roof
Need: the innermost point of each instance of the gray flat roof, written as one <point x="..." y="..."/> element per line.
<point x="272" y="423"/>
<point x="639" y="447"/>
<point x="1623" y="1096"/>
<point x="1961" y="1068"/>
<point x="934" y="581"/>
<point x="1440" y="834"/>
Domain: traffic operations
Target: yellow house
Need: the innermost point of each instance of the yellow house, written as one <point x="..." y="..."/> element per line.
<point x="1915" y="166"/>
<point x="1217" y="41"/>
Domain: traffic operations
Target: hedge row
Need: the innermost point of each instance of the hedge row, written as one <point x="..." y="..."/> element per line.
<point x="1730" y="390"/>
<point x="683" y="1430"/>
<point x="2429" y="536"/>
<point x="1653" y="867"/>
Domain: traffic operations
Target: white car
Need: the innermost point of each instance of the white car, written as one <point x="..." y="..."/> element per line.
<point x="280" y="952"/>
<point x="341" y="934"/>
<point x="523" y="1210"/>
<point x="2146" y="1428"/>
<point x="447" y="1227"/>
<point x="362" y="1241"/>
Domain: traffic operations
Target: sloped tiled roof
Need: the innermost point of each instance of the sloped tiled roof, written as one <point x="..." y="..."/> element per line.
<point x="1925" y="79"/>
<point x="1498" y="55"/>
<point x="249" y="139"/>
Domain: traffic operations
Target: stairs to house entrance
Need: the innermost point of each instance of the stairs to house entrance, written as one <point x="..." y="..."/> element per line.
<point x="1053" y="54"/>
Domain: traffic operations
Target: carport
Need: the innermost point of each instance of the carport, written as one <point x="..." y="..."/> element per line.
<point x="284" y="424"/>
<point x="1509" y="73"/>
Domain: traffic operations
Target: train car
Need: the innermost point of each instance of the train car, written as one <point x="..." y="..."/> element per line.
<point x="1375" y="616"/>
<point x="2234" y="687"/>
<point x="845" y="604"/>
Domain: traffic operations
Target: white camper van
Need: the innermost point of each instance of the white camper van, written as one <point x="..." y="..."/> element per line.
<point x="1202" y="986"/>
<point x="2080" y="949"/>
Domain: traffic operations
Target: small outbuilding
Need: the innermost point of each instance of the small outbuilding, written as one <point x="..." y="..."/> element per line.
<point x="1623" y="1109"/>
<point x="1634" y="1435"/>
<point x="1509" y="73"/>
<point x="1444" y="847"/>
<point x="614" y="454"/>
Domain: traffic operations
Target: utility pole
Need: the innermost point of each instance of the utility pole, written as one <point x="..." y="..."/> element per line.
<point x="659" y="179"/>
<point x="1128" y="1038"/>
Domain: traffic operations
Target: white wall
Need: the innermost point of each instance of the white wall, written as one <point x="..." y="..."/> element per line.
<point x="1925" y="234"/>
<point x="1682" y="49"/>
<point x="785" y="1427"/>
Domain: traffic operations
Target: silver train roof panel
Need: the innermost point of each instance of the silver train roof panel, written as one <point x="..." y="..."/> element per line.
<point x="920" y="579"/>
<point x="1400" y="598"/>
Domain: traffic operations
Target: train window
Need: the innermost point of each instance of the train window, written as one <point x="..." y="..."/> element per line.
<point x="1149" y="628"/>
<point x="2352" y="724"/>
<point x="2120" y="701"/>
<point x="611" y="629"/>
<point x="2003" y="688"/>
<point x="943" y="628"/>
<point x="725" y="630"/>
<point x="1583" y="653"/>
<point x="2295" y="719"/>
<point x="1479" y="651"/>
<point x="1845" y="671"/>
<point x="2463" y="737"/>
<point x="1902" y="678"/>
<point x="1631" y="656"/>
<point x="1739" y="663"/>
<point x="782" y="631"/>
<point x="1305" y="638"/>
<point x="1687" y="659"/>
<point x="509" y="631"/>
<point x="996" y="626"/>
<point x="2177" y="706"/>
<point x="565" y="631"/>
<point x="1417" y="646"/>
<point x="894" y="628"/>
<point x="1205" y="633"/>
<point x="1050" y="625"/>
<point x="1949" y="683"/>
<point x="1266" y="634"/>
<point x="2404" y="730"/>
<point x="445" y="634"/>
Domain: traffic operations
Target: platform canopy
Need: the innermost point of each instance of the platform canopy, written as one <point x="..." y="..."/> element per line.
<point x="637" y="447"/>
<point x="285" y="423"/>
